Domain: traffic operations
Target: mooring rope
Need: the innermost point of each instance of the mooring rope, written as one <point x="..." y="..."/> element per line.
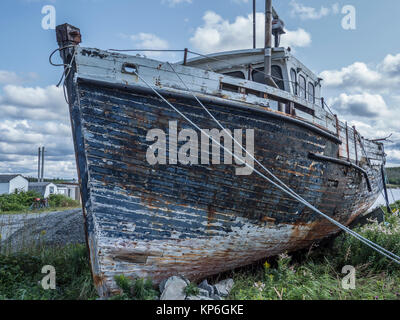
<point x="285" y="189"/>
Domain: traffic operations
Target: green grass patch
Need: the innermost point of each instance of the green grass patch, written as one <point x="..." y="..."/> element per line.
<point x="318" y="275"/>
<point x="20" y="275"/>
<point x="138" y="289"/>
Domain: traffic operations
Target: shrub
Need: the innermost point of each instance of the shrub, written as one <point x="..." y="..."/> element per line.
<point x="59" y="200"/>
<point x="17" y="201"/>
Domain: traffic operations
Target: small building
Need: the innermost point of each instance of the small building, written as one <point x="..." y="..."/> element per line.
<point x="70" y="190"/>
<point x="45" y="189"/>
<point x="9" y="183"/>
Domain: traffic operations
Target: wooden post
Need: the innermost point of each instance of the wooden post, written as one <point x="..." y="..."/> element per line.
<point x="355" y="143"/>
<point x="347" y="142"/>
<point x="337" y="132"/>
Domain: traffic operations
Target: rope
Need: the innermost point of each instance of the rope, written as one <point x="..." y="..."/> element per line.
<point x="285" y="189"/>
<point x="149" y="50"/>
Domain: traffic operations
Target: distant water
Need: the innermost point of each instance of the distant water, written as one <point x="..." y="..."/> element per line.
<point x="381" y="200"/>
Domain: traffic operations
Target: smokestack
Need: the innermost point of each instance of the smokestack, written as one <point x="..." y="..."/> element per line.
<point x="42" y="164"/>
<point x="38" y="165"/>
<point x="268" y="44"/>
<point x="254" y="24"/>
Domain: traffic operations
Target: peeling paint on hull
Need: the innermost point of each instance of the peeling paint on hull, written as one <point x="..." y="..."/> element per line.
<point x="162" y="220"/>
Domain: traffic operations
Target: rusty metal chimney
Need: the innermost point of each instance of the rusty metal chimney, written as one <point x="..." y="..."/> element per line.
<point x="268" y="45"/>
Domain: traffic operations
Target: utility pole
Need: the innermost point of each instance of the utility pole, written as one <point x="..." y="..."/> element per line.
<point x="38" y="176"/>
<point x="42" y="163"/>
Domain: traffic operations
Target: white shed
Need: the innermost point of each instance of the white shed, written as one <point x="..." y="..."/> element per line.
<point x="9" y="183"/>
<point x="70" y="190"/>
<point x="45" y="189"/>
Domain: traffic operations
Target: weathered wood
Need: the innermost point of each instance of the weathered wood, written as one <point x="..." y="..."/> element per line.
<point x="198" y="220"/>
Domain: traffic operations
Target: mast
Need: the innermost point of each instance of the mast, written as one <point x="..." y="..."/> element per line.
<point x="268" y="44"/>
<point x="254" y="24"/>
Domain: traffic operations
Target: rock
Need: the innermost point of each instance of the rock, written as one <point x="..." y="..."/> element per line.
<point x="174" y="288"/>
<point x="216" y="297"/>
<point x="161" y="286"/>
<point x="203" y="293"/>
<point x="204" y="285"/>
<point x="198" y="297"/>
<point x="224" y="287"/>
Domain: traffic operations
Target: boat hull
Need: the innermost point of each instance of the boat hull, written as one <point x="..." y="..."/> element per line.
<point x="154" y="221"/>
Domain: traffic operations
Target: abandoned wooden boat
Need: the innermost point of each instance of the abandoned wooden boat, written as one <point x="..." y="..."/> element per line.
<point x="154" y="220"/>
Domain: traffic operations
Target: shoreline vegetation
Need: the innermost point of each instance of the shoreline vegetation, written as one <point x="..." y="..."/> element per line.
<point x="393" y="177"/>
<point x="315" y="273"/>
<point x="20" y="202"/>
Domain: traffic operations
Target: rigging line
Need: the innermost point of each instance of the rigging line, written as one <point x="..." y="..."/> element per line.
<point x="59" y="49"/>
<point x="67" y="67"/>
<point x="367" y="242"/>
<point x="289" y="190"/>
<point x="149" y="50"/>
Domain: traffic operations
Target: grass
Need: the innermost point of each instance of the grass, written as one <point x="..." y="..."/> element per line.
<point x="20" y="275"/>
<point x="317" y="274"/>
<point x="312" y="274"/>
<point x="139" y="289"/>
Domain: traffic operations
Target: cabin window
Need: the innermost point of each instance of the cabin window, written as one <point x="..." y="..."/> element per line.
<point x="302" y="87"/>
<point x="293" y="76"/>
<point x="277" y="76"/>
<point x="311" y="92"/>
<point x="235" y="74"/>
<point x="276" y="72"/>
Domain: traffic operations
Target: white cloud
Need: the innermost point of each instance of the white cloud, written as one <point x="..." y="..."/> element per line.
<point x="218" y="34"/>
<point x="9" y="77"/>
<point x="369" y="99"/>
<point x="357" y="74"/>
<point x="363" y="105"/>
<point x="391" y="65"/>
<point x="145" y="40"/>
<point x="173" y="3"/>
<point x="381" y="77"/>
<point x="310" y="13"/>
<point x="32" y="117"/>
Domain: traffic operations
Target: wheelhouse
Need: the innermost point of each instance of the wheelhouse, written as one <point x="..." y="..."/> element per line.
<point x="289" y="73"/>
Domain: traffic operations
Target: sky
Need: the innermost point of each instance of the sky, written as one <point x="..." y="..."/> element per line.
<point x="359" y="60"/>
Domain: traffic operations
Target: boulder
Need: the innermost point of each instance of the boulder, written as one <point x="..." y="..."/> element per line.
<point x="174" y="288"/>
<point x="198" y="297"/>
<point x="205" y="286"/>
<point x="224" y="287"/>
